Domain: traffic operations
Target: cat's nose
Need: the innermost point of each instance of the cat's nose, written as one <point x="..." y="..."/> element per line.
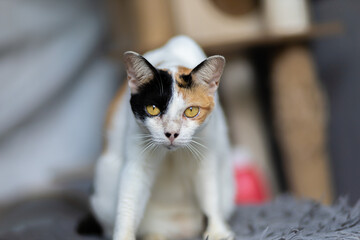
<point x="171" y="136"/>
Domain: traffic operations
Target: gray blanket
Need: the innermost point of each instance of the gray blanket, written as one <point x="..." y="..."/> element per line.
<point x="287" y="218"/>
<point x="65" y="217"/>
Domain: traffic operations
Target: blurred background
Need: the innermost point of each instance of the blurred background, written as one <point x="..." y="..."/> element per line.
<point x="290" y="88"/>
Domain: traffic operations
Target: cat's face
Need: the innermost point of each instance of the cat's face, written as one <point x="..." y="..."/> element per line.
<point x="172" y="104"/>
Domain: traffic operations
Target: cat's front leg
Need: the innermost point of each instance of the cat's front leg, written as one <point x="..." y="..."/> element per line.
<point x="208" y="195"/>
<point x="134" y="191"/>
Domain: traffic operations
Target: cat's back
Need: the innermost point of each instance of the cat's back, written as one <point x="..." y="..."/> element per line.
<point x="178" y="51"/>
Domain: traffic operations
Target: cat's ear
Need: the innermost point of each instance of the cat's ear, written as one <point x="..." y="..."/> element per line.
<point x="138" y="69"/>
<point x="209" y="72"/>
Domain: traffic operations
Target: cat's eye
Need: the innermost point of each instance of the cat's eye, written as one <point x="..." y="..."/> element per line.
<point x="153" y="110"/>
<point x="192" y="112"/>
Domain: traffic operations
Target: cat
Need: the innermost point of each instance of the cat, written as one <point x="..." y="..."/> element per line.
<point x="166" y="164"/>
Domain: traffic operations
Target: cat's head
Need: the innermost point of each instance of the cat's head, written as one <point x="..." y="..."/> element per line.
<point x="172" y="104"/>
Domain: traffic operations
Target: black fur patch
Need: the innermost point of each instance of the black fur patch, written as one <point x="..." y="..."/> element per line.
<point x="157" y="91"/>
<point x="187" y="81"/>
<point x="199" y="66"/>
<point x="89" y="226"/>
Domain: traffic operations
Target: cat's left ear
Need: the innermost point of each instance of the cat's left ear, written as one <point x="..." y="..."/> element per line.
<point x="209" y="72"/>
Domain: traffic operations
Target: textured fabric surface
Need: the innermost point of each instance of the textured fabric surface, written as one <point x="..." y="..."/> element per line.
<point x="287" y="218"/>
<point x="284" y="219"/>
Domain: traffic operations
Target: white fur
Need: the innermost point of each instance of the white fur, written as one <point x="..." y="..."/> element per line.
<point x="162" y="192"/>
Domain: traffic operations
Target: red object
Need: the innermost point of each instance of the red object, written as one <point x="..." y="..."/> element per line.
<point x="250" y="185"/>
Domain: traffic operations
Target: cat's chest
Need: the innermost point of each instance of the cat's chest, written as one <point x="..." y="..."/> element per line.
<point x="174" y="182"/>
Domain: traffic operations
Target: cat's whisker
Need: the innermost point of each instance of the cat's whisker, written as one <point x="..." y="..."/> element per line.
<point x="151" y="149"/>
<point x="156" y="146"/>
<point x="194" y="152"/>
<point x="141" y="138"/>
<point x="148" y="145"/>
<point x="158" y="140"/>
<point x="143" y="135"/>
<point x="196" y="142"/>
<point x="195" y="137"/>
<point x="189" y="150"/>
<point x="144" y="138"/>
<point x="198" y="151"/>
<point x="146" y="141"/>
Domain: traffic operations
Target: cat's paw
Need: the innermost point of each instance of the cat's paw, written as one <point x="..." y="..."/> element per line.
<point x="153" y="237"/>
<point x="219" y="235"/>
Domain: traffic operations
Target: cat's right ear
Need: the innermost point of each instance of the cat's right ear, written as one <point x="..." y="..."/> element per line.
<point x="138" y="69"/>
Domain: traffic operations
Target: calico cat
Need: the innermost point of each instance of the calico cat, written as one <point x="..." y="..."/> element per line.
<point x="166" y="164"/>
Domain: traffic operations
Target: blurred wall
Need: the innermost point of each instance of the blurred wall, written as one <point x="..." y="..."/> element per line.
<point x="55" y="85"/>
<point x="338" y="60"/>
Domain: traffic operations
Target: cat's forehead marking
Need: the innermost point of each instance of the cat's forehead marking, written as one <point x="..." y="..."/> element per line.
<point x="183" y="78"/>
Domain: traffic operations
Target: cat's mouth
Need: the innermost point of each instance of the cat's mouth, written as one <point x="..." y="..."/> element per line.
<point x="172" y="146"/>
<point x="175" y="145"/>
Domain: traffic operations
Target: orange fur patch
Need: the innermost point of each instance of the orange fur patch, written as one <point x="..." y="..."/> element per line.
<point x="181" y="72"/>
<point x="197" y="95"/>
<point x="113" y="107"/>
<point x="114" y="104"/>
<point x="184" y="70"/>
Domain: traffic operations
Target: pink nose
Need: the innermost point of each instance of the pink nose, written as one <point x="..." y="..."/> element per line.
<point x="171" y="136"/>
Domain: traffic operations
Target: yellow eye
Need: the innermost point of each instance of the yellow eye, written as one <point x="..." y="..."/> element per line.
<point x="153" y="110"/>
<point x="191" y="112"/>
